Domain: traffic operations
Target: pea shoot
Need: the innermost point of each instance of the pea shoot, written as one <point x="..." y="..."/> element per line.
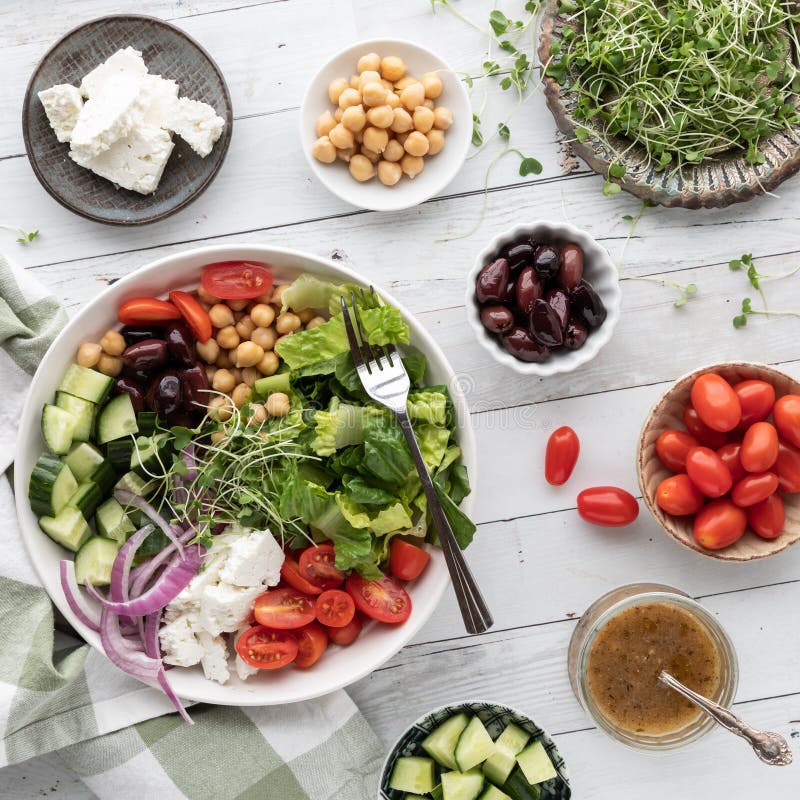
<point x="746" y="263"/>
<point x="23" y="237"/>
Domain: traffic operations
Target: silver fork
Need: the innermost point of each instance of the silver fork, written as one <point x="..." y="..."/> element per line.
<point x="386" y="381"/>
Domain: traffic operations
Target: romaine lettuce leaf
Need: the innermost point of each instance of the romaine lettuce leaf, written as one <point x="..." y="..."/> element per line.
<point x="359" y="491"/>
<point x="386" y="454"/>
<point x="391" y="519"/>
<point x="343" y="426"/>
<point x="309" y="291"/>
<point x="427" y="406"/>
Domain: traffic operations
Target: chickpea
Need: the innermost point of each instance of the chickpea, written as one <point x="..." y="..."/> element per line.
<point x="335" y="89"/>
<point x="435" y="141"/>
<point x="248" y="354"/>
<point x="89" y="354"/>
<point x="389" y="173"/>
<point x="258" y="414"/>
<point x="264" y="338"/>
<point x="400" y="138"/>
<point x="218" y="437"/>
<point x="374" y="93"/>
<point x="346" y="153"/>
<point x="380" y="116"/>
<point x="220" y="409"/>
<point x="361" y="169"/>
<point x="394" y="150"/>
<point x="387" y="84"/>
<point x="245" y="327"/>
<point x="228" y="338"/>
<point x="341" y="137"/>
<point x="371" y="61"/>
<point x="324" y="123"/>
<point x="402" y="121"/>
<point x="423" y="119"/>
<point x="223" y="381"/>
<point x="358" y="136"/>
<point x="315" y="322"/>
<point x="429" y="103"/>
<point x="442" y="118"/>
<point x="277" y="293"/>
<point x="323" y="150"/>
<point x="349" y="97"/>
<point x="208" y="351"/>
<point x="355" y="81"/>
<point x="211" y="371"/>
<point x="224" y="360"/>
<point x="403" y="83"/>
<point x="237" y="376"/>
<point x="376" y="139"/>
<point x="278" y="405"/>
<point x="109" y="365"/>
<point x="354" y="118"/>
<point x="337" y="116"/>
<point x="237" y="305"/>
<point x="392" y="100"/>
<point x="393" y="68"/>
<point x="412" y="96"/>
<point x="269" y="364"/>
<point x="241" y="394"/>
<point x="206" y="297"/>
<point x="287" y="323"/>
<point x="250" y="375"/>
<point x="221" y="315"/>
<point x="305" y="314"/>
<point x="432" y="84"/>
<point x="368" y="76"/>
<point x="372" y="155"/>
<point x="416" y="144"/>
<point x="262" y="315"/>
<point x="412" y="165"/>
<point x="113" y="343"/>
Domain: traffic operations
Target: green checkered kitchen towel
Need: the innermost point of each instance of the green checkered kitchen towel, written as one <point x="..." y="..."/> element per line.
<point x="60" y="697"/>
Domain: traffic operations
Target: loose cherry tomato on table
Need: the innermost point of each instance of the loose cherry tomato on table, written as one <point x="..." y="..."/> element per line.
<point x="284" y="609"/>
<point x="754" y="488"/>
<point x="290" y="572"/>
<point x="335" y="608"/>
<point x="561" y="455"/>
<point x="787" y="468"/>
<point x="756" y="399"/>
<point x="767" y="518"/>
<point x="786" y="414"/>
<point x="759" y="447"/>
<point x="708" y="472"/>
<point x="719" y="524"/>
<point x="384" y="599"/>
<point x="716" y="403"/>
<point x="608" y="506"/>
<point x="679" y="496"/>
<point x="729" y="454"/>
<point x="672" y="446"/>
<point x="264" y="648"/>
<point x="701" y="431"/>
<point x="237" y="280"/>
<point x="406" y="560"/>
<point x="317" y="565"/>
<point x="143" y="310"/>
<point x="194" y="314"/>
<point x="312" y="642"/>
<point x="348" y="634"/>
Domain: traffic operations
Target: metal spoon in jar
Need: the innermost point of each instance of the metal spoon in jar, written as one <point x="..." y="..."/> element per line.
<point x="770" y="747"/>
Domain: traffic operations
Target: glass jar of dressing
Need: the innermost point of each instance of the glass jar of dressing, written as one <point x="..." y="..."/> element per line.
<point x="620" y="646"/>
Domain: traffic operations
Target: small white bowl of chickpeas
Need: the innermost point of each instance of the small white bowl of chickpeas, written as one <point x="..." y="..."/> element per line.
<point x="386" y="124"/>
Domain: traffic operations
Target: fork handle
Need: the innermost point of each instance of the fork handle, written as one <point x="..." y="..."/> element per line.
<point x="474" y="610"/>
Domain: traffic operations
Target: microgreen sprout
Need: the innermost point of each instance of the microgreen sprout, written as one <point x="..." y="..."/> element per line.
<point x="23" y="236"/>
<point x="746" y="262"/>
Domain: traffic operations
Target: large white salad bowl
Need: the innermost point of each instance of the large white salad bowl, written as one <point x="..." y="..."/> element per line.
<point x="340" y="666"/>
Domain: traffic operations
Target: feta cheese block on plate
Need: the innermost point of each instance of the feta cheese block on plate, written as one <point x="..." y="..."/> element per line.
<point x="62" y="104"/>
<point x="196" y="123"/>
<point x="127" y="61"/>
<point x="160" y="94"/>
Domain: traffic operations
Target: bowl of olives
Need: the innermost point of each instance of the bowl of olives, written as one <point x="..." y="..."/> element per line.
<point x="543" y="298"/>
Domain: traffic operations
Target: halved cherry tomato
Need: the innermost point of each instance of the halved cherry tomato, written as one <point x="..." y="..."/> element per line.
<point x="679" y="496"/>
<point x="561" y="455"/>
<point x="237" y="280"/>
<point x="348" y="634"/>
<point x="708" y="472"/>
<point x="290" y="572"/>
<point x="756" y="399"/>
<point x="701" y="431"/>
<point x="754" y="488"/>
<point x="608" y="506"/>
<point x="285" y="609"/>
<point x="729" y="454"/>
<point x="786" y="414"/>
<point x="672" y="446"/>
<point x="312" y="642"/>
<point x="787" y="468"/>
<point x="719" y="524"/>
<point x="142" y="310"/>
<point x="716" y="403"/>
<point x="406" y="560"/>
<point x="317" y="565"/>
<point x="335" y="608"/>
<point x="759" y="447"/>
<point x="384" y="599"/>
<point x="194" y="314"/>
<point x="264" y="648"/>
<point x="767" y="518"/>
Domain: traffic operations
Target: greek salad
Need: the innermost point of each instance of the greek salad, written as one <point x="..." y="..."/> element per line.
<point x="232" y="496"/>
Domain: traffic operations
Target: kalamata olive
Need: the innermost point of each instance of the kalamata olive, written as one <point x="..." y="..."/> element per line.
<point x="528" y="289"/>
<point x="194" y="388"/>
<point x="586" y="304"/>
<point x="497" y="319"/>
<point x="164" y="394"/>
<point x="557" y="299"/>
<point x="180" y="343"/>
<point x="546" y="261"/>
<point x="545" y="324"/>
<point x="131" y="388"/>
<point x="519" y="343"/>
<point x="146" y="356"/>
<point x="575" y="334"/>
<point x="184" y="419"/>
<point x="135" y="334"/>
<point x="519" y="255"/>
<point x="492" y="282"/>
<point x="571" y="270"/>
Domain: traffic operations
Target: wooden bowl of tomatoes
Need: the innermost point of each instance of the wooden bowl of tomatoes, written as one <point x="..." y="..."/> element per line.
<point x="718" y="461"/>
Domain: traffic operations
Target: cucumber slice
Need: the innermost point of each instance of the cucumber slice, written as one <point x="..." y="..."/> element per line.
<point x="415" y="797"/>
<point x="280" y="382"/>
<point x="474" y="745"/>
<point x="131" y="482"/>
<point x="493" y="793"/>
<point x="517" y="788"/>
<point x="117" y="419"/>
<point x="83" y="460"/>
<point x="118" y="453"/>
<point x="86" y="383"/>
<point x="535" y="764"/>
<point x="437" y="793"/>
<point x="113" y="522"/>
<point x="147" y="421"/>
<point x="82" y="410"/>
<point x="105" y="477"/>
<point x="413" y="774"/>
<point x="68" y="528"/>
<point x="86" y="499"/>
<point x="462" y="785"/>
<point x="440" y="743"/>
<point x="501" y="762"/>
<point x="51" y="485"/>
<point x="57" y="429"/>
<point x="95" y="560"/>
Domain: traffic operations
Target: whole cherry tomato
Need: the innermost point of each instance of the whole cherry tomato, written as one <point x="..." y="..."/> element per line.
<point x="312" y="641"/>
<point x="195" y="315"/>
<point x="754" y="488"/>
<point x="679" y="496"/>
<point x="348" y="634"/>
<point x="759" y="447"/>
<point x="144" y="310"/>
<point x="786" y="414"/>
<point x="608" y="506"/>
<point x="701" y="431"/>
<point x="719" y="524"/>
<point x="716" y="403"/>
<point x="318" y="565"/>
<point x="708" y="472"/>
<point x="756" y="399"/>
<point x="787" y="468"/>
<point x="767" y="518"/>
<point x="672" y="446"/>
<point x="561" y="455"/>
<point x="729" y="454"/>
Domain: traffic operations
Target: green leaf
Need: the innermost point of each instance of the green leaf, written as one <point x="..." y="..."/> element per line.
<point x="532" y="6"/>
<point x="610" y="189"/>
<point x="386" y="454"/>
<point x="747" y="306"/>
<point x="359" y="490"/>
<point x="387" y="520"/>
<point x="690" y="289"/>
<point x="505" y="84"/>
<point x="503" y="131"/>
<point x="627" y="218"/>
<point x="617" y="170"/>
<point x="530" y="166"/>
<point x="740" y="321"/>
<point x="734" y="265"/>
<point x="499" y="22"/>
<point x="477" y="136"/>
<point x="581" y="134"/>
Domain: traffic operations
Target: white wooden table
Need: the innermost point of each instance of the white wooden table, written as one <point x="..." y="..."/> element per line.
<point x="541" y="566"/>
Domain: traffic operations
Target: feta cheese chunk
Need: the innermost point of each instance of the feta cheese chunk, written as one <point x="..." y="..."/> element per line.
<point x="253" y="560"/>
<point x="179" y="643"/>
<point x="215" y="657"/>
<point x="62" y="104"/>
<point x="135" y="162"/>
<point x="226" y="608"/>
<point x="127" y="61"/>
<point x="196" y="123"/>
<point x="160" y="95"/>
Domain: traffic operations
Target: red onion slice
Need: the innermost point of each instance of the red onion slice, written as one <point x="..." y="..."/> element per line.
<point x="191" y="462"/>
<point x="130" y="499"/>
<point x="123" y="653"/>
<point x="152" y="646"/>
<point x="120" y="571"/>
<point x="142" y="574"/>
<point x="69" y="584"/>
<point x="164" y="684"/>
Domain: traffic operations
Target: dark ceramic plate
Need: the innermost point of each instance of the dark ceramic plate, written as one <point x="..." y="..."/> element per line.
<point x="167" y="51"/>
<point x="495" y="718"/>
<point x="716" y="183"/>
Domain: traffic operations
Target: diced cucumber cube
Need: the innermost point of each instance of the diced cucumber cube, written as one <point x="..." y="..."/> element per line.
<point x="440" y="743"/>
<point x="474" y="745"/>
<point x="535" y="764"/>
<point x="413" y="774"/>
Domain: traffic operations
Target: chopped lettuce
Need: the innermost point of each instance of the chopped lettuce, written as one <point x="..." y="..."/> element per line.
<point x="390" y="519"/>
<point x="309" y="291"/>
